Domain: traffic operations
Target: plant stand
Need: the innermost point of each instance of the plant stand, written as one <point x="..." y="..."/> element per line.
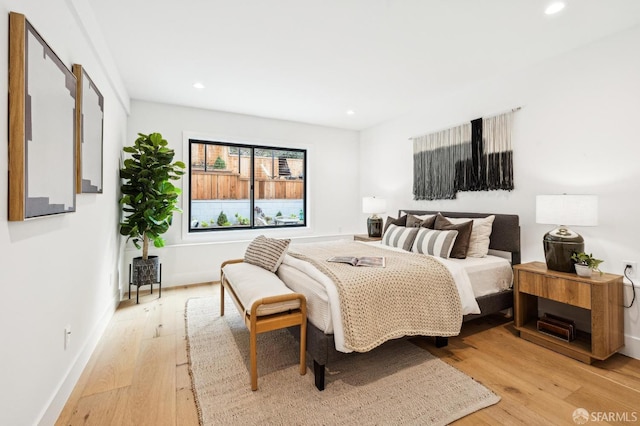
<point x="139" y="283"/>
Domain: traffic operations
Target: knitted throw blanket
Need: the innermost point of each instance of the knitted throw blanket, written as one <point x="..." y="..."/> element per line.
<point x="413" y="295"/>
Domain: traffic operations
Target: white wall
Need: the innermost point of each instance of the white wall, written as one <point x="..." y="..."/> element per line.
<point x="332" y="184"/>
<point x="577" y="133"/>
<point x="61" y="270"/>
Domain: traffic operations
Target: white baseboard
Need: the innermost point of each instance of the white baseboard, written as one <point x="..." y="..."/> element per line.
<point x="50" y="414"/>
<point x="631" y="346"/>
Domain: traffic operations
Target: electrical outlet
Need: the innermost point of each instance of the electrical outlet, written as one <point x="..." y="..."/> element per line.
<point x="67" y="336"/>
<point x="631" y="272"/>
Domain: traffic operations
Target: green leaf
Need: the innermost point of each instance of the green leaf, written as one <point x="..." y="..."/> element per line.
<point x="156" y="138"/>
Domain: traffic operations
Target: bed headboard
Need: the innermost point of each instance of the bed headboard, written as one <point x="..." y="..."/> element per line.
<point x="505" y="234"/>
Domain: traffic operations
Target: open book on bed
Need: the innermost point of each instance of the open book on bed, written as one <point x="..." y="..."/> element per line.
<point x="373" y="261"/>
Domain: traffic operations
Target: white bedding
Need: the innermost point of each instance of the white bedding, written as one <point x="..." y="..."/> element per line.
<point x="488" y="275"/>
<point x="323" y="308"/>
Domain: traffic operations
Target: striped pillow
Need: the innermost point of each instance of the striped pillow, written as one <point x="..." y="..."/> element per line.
<point x="266" y="253"/>
<point x="435" y="243"/>
<point x="399" y="236"/>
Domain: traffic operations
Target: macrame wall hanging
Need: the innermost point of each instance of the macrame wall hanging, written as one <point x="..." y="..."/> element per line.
<point x="475" y="156"/>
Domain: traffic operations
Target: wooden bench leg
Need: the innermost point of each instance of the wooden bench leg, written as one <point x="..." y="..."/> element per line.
<point x="303" y="347"/>
<point x="221" y="297"/>
<point x="253" y="355"/>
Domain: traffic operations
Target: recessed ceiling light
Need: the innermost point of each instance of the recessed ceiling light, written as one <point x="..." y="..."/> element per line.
<point x="350" y="112"/>
<point x="198" y="85"/>
<point x="554" y="8"/>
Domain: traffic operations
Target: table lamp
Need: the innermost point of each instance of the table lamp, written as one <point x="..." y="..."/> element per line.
<point x="373" y="206"/>
<point x="562" y="210"/>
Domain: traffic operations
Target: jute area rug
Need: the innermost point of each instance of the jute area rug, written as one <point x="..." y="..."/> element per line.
<point x="396" y="383"/>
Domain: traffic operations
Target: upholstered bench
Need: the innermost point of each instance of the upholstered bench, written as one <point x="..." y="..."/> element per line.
<point x="266" y="303"/>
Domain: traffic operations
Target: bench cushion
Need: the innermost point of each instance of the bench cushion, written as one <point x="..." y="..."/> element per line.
<point x="251" y="282"/>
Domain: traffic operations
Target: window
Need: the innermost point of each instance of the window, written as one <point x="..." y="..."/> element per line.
<point x="234" y="186"/>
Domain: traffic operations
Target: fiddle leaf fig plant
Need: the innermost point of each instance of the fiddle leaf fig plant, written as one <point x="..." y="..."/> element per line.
<point x="149" y="199"/>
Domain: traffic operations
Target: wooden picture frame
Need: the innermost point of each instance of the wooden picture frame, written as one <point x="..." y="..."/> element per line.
<point x="42" y="103"/>
<point x="89" y="133"/>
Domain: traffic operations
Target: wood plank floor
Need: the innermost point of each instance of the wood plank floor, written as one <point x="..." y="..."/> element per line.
<point x="139" y="374"/>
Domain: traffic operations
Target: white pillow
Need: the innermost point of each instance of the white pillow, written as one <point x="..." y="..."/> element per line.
<point x="480" y="233"/>
<point x="399" y="236"/>
<point x="433" y="242"/>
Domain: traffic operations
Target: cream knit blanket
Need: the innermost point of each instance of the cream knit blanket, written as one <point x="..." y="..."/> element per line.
<point x="413" y="295"/>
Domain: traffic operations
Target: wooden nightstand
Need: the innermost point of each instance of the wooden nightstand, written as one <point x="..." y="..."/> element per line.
<point x="600" y="294"/>
<point x="365" y="237"/>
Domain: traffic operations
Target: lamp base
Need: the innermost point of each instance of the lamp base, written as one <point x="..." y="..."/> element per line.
<point x="374" y="226"/>
<point x="559" y="244"/>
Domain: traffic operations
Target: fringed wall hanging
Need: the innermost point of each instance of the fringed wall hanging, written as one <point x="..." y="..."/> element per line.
<point x="476" y="156"/>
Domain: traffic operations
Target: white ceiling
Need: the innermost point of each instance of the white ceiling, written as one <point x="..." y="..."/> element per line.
<point x="312" y="60"/>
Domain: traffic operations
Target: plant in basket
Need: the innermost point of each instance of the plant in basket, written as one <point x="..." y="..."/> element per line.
<point x="149" y="200"/>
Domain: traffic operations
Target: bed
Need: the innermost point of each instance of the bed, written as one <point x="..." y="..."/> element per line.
<point x="325" y="342"/>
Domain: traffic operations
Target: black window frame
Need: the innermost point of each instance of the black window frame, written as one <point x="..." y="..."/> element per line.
<point x="252" y="148"/>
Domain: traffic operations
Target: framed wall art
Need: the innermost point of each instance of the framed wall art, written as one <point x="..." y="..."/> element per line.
<point x="89" y="125"/>
<point x="42" y="116"/>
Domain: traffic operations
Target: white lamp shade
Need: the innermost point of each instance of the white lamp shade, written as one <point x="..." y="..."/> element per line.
<point x="576" y="210"/>
<point x="374" y="205"/>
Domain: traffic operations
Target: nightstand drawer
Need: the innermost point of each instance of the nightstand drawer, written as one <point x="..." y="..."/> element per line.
<point x="571" y="292"/>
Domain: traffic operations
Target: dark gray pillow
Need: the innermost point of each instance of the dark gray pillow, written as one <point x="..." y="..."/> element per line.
<point x="414" y="221"/>
<point x="401" y="221"/>
<point x="459" y="250"/>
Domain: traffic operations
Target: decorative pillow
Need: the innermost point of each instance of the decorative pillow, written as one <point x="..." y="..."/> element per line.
<point x="266" y="253"/>
<point x="435" y="243"/>
<point x="401" y="221"/>
<point x="461" y="244"/>
<point x="426" y="221"/>
<point x="480" y="233"/>
<point x="399" y="236"/>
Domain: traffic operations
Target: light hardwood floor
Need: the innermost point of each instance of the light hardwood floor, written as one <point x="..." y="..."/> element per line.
<point x="139" y="374"/>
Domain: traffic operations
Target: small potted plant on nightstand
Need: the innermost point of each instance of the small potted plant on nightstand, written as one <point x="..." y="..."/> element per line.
<point x="586" y="264"/>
